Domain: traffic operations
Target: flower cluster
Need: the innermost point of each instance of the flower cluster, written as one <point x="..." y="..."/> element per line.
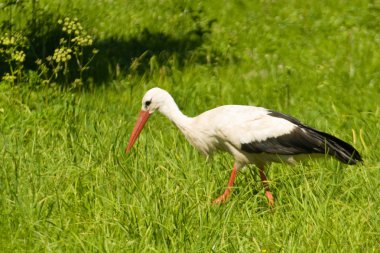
<point x="12" y="52"/>
<point x="8" y="40"/>
<point x="11" y="47"/>
<point x="9" y="78"/>
<point x="18" y="56"/>
<point x="61" y="54"/>
<point x="72" y="27"/>
<point x="83" y="41"/>
<point x="71" y="58"/>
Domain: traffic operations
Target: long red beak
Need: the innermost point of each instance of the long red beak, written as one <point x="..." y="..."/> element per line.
<point x="143" y="118"/>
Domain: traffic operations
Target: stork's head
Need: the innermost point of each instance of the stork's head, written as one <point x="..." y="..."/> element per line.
<point x="154" y="99"/>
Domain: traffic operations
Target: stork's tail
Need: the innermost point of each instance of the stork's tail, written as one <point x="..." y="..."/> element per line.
<point x="341" y="150"/>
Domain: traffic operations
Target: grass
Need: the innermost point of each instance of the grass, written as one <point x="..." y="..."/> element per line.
<point x="66" y="184"/>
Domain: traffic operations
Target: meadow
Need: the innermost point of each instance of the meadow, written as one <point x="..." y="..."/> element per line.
<point x="66" y="184"/>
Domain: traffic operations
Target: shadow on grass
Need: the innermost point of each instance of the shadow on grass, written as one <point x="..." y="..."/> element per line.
<point x="140" y="54"/>
<point x="145" y="52"/>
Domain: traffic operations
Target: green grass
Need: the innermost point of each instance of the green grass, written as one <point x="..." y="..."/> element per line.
<point x="66" y="184"/>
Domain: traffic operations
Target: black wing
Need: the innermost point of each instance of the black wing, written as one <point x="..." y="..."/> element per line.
<point x="304" y="140"/>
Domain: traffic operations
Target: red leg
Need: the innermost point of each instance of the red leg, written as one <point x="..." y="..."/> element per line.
<point x="268" y="194"/>
<point x="227" y="192"/>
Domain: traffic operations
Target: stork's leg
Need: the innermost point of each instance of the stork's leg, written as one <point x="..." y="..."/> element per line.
<point x="264" y="179"/>
<point x="227" y="192"/>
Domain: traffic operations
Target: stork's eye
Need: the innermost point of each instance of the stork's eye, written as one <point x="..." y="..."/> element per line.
<point x="147" y="103"/>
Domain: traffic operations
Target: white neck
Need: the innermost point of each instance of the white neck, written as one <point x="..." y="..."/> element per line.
<point x="195" y="133"/>
<point x="172" y="112"/>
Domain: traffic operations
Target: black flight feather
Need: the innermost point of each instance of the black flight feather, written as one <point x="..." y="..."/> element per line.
<point x="304" y="140"/>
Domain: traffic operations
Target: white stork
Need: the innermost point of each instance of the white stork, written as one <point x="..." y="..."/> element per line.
<point x="253" y="135"/>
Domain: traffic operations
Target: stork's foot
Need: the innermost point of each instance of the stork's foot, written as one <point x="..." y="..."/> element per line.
<point x="268" y="194"/>
<point x="221" y="198"/>
<point x="270" y="198"/>
<point x="227" y="192"/>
